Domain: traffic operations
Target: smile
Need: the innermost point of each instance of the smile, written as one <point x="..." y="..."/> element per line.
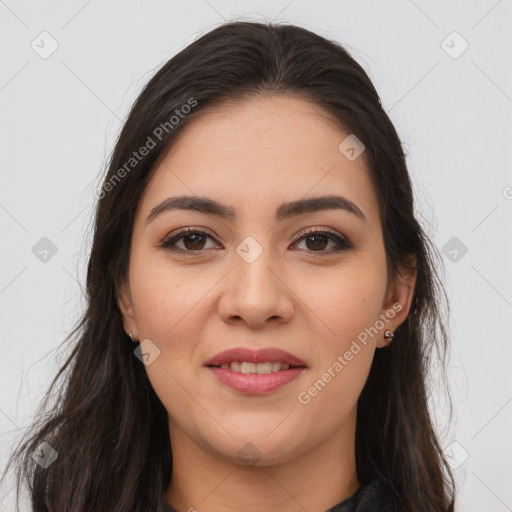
<point x="247" y="379"/>
<point x="259" y="368"/>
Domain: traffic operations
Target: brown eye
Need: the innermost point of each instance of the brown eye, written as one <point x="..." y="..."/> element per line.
<point x="318" y="240"/>
<point x="191" y="241"/>
<point x="194" y="241"/>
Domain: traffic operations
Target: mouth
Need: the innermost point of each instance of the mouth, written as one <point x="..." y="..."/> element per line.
<point x="247" y="367"/>
<point x="264" y="360"/>
<point x="248" y="382"/>
<point x="256" y="372"/>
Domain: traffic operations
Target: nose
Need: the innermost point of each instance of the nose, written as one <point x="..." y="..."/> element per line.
<point x="256" y="293"/>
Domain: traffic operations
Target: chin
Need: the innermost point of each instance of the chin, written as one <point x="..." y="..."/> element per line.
<point x="257" y="450"/>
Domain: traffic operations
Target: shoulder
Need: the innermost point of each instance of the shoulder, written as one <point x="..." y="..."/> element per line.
<point x="375" y="496"/>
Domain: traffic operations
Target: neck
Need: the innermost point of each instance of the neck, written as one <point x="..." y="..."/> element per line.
<point x="316" y="479"/>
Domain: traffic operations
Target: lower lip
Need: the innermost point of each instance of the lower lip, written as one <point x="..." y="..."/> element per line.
<point x="254" y="383"/>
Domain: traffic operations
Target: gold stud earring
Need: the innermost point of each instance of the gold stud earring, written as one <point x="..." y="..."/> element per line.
<point x="389" y="335"/>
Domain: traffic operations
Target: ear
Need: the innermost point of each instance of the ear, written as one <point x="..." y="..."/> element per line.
<point x="398" y="300"/>
<point x="125" y="304"/>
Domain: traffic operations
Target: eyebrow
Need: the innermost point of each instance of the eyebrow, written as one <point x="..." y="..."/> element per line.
<point x="284" y="211"/>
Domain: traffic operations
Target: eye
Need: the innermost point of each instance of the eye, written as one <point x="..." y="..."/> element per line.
<point x="192" y="240"/>
<point x="318" y="239"/>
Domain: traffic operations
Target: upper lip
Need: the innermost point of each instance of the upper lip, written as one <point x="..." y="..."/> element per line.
<point x="262" y="355"/>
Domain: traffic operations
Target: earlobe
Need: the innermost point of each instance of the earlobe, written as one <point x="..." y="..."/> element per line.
<point x="398" y="304"/>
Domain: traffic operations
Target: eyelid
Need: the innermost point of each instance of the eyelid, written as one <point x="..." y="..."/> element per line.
<point x="319" y="230"/>
<point x="176" y="235"/>
<point x="189" y="229"/>
<point x="343" y="242"/>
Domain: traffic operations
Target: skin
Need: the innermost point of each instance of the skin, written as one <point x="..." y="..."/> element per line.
<point x="312" y="302"/>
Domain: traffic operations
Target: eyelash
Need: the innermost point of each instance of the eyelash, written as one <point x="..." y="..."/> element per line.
<point x="343" y="243"/>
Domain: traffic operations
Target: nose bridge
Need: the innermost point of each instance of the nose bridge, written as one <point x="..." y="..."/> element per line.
<point x="253" y="268"/>
<point x="255" y="291"/>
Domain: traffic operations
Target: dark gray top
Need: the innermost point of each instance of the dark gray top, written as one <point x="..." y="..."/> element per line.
<point x="374" y="497"/>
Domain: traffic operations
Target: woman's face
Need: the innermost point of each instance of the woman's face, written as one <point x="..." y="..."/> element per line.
<point x="255" y="277"/>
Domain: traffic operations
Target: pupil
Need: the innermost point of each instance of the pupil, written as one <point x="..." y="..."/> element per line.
<point x="195" y="239"/>
<point x="315" y="244"/>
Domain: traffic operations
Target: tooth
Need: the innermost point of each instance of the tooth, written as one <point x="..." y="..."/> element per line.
<point x="248" y="367"/>
<point x="262" y="368"/>
<point x="257" y="368"/>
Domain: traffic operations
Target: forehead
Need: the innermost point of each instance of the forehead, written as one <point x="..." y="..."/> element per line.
<point x="256" y="153"/>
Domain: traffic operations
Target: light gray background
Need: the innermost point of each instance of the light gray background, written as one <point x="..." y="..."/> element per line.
<point x="60" y="116"/>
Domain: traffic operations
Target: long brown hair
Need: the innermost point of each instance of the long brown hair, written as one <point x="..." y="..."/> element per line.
<point x="105" y="421"/>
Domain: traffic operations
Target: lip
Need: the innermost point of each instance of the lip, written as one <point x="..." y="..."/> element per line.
<point x="253" y="383"/>
<point x="262" y="355"/>
<point x="256" y="384"/>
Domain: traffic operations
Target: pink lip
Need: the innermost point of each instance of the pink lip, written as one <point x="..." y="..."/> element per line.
<point x="255" y="384"/>
<point x="262" y="355"/>
<point x="252" y="383"/>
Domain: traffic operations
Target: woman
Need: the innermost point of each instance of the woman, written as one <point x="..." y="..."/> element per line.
<point x="255" y="238"/>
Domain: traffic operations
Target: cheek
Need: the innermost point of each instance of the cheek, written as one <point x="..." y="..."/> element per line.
<point x="343" y="311"/>
<point x="170" y="312"/>
<point x="345" y="302"/>
<point x="344" y="354"/>
<point x="167" y="300"/>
